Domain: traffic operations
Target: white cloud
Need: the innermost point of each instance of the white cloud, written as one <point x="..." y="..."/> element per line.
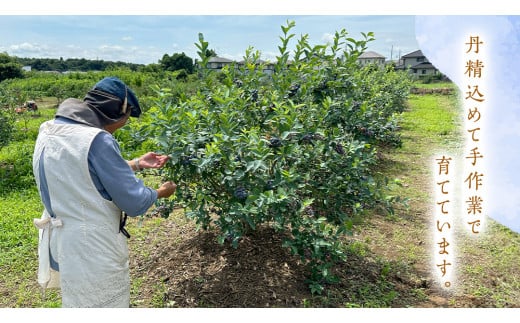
<point x="327" y="38"/>
<point x="27" y="48"/>
<point x="127" y="38"/>
<point x="270" y="56"/>
<point x="111" y="48"/>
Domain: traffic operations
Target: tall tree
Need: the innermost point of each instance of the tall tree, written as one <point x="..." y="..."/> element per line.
<point x="177" y="62"/>
<point x="211" y="53"/>
<point x="9" y="69"/>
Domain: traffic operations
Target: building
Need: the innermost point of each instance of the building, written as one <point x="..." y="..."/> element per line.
<point x="217" y="63"/>
<point x="267" y="67"/>
<point x="371" y="58"/>
<point x="417" y="64"/>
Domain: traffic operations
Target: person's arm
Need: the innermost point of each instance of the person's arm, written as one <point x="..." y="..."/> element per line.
<point x="134" y="164"/>
<point x="112" y="174"/>
<point x="153" y="160"/>
<point x="148" y="160"/>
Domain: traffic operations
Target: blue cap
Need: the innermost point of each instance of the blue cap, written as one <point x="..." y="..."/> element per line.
<point x="116" y="87"/>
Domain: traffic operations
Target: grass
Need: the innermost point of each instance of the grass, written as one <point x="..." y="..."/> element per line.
<point x="491" y="266"/>
<point x="488" y="267"/>
<point x="436" y="85"/>
<point x="20" y="204"/>
<point x="431" y="123"/>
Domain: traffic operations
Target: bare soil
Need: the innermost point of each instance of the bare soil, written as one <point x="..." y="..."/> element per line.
<point x="187" y="268"/>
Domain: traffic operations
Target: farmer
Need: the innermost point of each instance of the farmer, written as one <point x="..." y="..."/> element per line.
<point x="87" y="190"/>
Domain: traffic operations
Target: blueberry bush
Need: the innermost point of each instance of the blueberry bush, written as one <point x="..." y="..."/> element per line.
<point x="6" y="117"/>
<point x="6" y="128"/>
<point x="294" y="149"/>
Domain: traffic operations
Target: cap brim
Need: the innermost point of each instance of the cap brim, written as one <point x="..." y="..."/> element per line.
<point x="135" y="112"/>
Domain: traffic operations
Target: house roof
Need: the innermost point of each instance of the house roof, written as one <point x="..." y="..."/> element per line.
<point x="219" y="60"/>
<point x="370" y="54"/>
<point x="417" y="53"/>
<point x="424" y="65"/>
<point x="260" y="61"/>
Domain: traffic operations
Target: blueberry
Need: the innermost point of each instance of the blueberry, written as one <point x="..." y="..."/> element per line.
<point x="293" y="89"/>
<point x="254" y="95"/>
<point x="275" y="142"/>
<point x="317" y="136"/>
<point x="355" y="105"/>
<point x="187" y="160"/>
<point x="238" y="82"/>
<point x="241" y="193"/>
<point x="309" y="210"/>
<point x="322" y="85"/>
<point x="307" y="139"/>
<point x="339" y="149"/>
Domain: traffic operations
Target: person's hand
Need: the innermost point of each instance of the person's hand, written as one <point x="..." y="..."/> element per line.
<point x="152" y="160"/>
<point x="166" y="189"/>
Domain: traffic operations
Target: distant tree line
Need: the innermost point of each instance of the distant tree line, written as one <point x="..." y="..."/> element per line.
<point x="74" y="64"/>
<point x="11" y="66"/>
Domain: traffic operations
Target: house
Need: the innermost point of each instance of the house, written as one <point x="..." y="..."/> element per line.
<point x="425" y="68"/>
<point x="371" y="58"/>
<point x="217" y="63"/>
<point x="267" y="66"/>
<point x="417" y="64"/>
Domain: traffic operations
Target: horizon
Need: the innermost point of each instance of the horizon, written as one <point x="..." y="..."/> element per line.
<point x="194" y="59"/>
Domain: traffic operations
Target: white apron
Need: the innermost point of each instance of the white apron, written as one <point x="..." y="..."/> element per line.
<point x="84" y="236"/>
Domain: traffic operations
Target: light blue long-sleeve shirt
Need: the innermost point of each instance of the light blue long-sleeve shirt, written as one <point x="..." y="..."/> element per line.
<point x="111" y="175"/>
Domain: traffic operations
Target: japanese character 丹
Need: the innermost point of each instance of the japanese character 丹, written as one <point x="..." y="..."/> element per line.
<point x="474" y="41"/>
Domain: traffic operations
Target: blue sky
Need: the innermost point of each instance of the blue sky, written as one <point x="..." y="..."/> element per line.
<point x="145" y="39"/>
<point x="143" y="31"/>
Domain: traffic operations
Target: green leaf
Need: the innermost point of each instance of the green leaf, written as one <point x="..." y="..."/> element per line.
<point x="255" y="165"/>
